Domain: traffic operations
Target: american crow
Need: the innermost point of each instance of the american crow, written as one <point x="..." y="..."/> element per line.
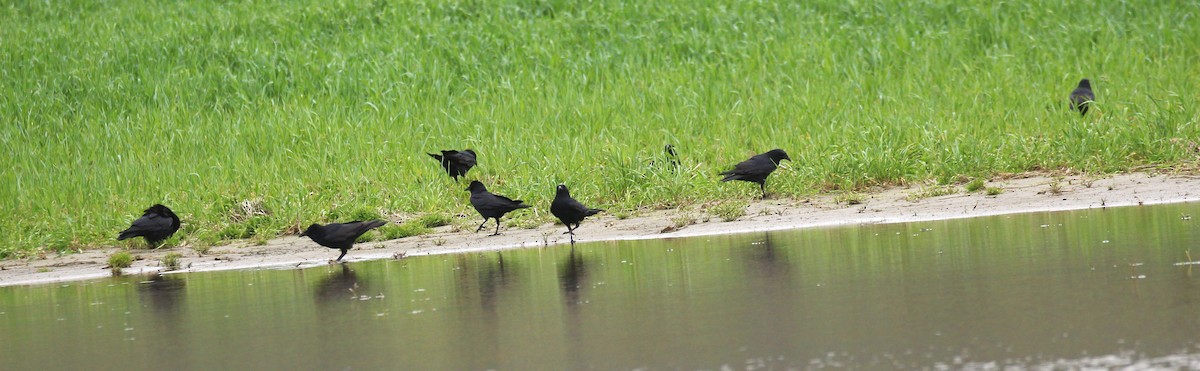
<point x="456" y="163"/>
<point x="491" y="206"/>
<point x="156" y="224"/>
<point x="340" y="236"/>
<point x="1082" y="97"/>
<point x="569" y="211"/>
<point x="669" y="159"/>
<point x="672" y="158"/>
<point x="757" y="168"/>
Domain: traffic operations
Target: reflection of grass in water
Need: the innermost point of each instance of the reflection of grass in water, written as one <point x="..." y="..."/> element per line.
<point x="212" y="108"/>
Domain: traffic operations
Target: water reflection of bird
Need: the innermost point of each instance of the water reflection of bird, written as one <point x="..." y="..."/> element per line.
<point x="162" y="293"/>
<point x="338" y="286"/>
<point x="766" y="259"/>
<point x="572" y="277"/>
<point x="493" y="278"/>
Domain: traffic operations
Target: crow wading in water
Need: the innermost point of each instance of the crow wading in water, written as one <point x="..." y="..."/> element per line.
<point x="456" y="163"/>
<point x="757" y="168"/>
<point x="490" y="205"/>
<point x="568" y="211"/>
<point x="1082" y="97"/>
<point x="156" y="224"/>
<point x="340" y="236"/>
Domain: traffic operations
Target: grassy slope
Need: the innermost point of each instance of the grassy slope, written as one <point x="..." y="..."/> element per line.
<point x="323" y="110"/>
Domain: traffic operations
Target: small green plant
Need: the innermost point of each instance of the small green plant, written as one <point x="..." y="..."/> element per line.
<point x="171" y="261"/>
<point x="683" y="220"/>
<point x="122" y="259"/>
<point x="407" y="229"/>
<point x="201" y="248"/>
<point x="850" y="198"/>
<point x="975" y="185"/>
<point x="729" y="211"/>
<point x="992" y="191"/>
<point x="1056" y="187"/>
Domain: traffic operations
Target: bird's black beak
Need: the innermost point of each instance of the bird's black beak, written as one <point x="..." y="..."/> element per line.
<point x="303" y="234"/>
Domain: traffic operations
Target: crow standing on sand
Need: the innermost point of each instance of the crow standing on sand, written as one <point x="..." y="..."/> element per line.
<point x="1082" y="97"/>
<point x="156" y="224"/>
<point x="456" y="163"/>
<point x="340" y="236"/>
<point x="490" y="205"/>
<point x="568" y="211"/>
<point x="757" y="168"/>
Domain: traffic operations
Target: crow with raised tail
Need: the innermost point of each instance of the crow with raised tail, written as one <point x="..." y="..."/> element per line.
<point x="490" y="205"/>
<point x="156" y="224"/>
<point x="456" y="163"/>
<point x="340" y="236"/>
<point x="568" y="211"/>
<point x="757" y="168"/>
<point x="1082" y="97"/>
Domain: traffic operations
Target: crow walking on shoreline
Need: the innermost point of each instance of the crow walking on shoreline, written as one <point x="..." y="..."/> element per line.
<point x="569" y="211"/>
<point x="757" y="168"/>
<point x="490" y="205"/>
<point x="156" y="224"/>
<point x="340" y="236"/>
<point x="1082" y="97"/>
<point x="456" y="163"/>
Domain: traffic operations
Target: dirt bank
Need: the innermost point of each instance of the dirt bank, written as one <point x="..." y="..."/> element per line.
<point x="1020" y="194"/>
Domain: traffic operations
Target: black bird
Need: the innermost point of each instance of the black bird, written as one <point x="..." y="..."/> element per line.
<point x="672" y="158"/>
<point x="569" y="211"/>
<point x="340" y="236"/>
<point x="757" y="168"/>
<point x="490" y="205"/>
<point x="1082" y="97"/>
<point x="456" y="163"/>
<point x="156" y="224"/>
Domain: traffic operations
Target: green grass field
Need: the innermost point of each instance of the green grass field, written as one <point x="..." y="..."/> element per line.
<point x="253" y="118"/>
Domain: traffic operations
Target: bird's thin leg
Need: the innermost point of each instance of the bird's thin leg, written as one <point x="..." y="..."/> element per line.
<point x="484" y="223"/>
<point x="570" y="231"/>
<point x="497" y="227"/>
<point x="763" y="186"/>
<point x="343" y="254"/>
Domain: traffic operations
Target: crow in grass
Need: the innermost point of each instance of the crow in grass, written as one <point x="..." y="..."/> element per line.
<point x="340" y="236"/>
<point x="490" y="205"/>
<point x="569" y="211"/>
<point x="757" y="168"/>
<point x="1082" y="97"/>
<point x="156" y="224"/>
<point x="456" y="163"/>
<point x="672" y="158"/>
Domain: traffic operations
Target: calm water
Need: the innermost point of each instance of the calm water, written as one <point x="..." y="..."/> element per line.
<point x="1056" y="290"/>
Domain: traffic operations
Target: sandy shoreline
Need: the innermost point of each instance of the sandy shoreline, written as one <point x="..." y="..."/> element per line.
<point x="896" y="205"/>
